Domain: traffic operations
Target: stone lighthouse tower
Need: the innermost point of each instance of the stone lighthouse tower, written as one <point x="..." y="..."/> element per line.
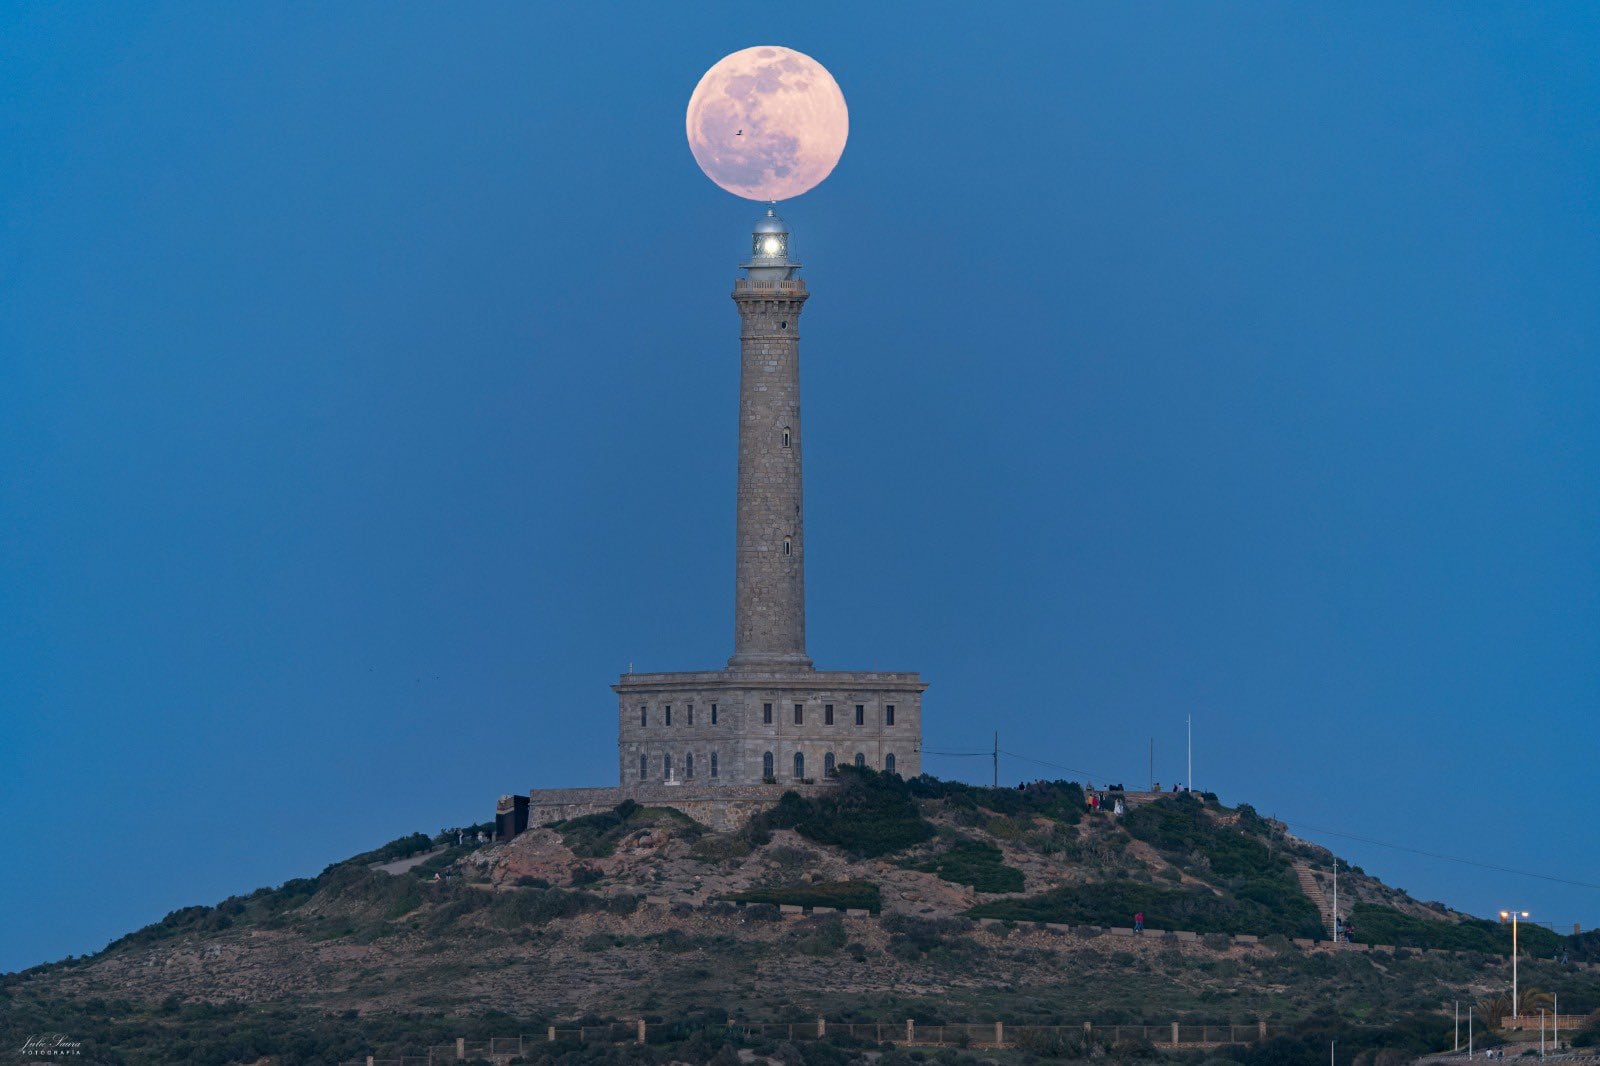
<point x="769" y="597"/>
<point x="727" y="740"/>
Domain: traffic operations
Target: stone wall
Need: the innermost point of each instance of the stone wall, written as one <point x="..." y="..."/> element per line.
<point x="769" y="605"/>
<point x="677" y="722"/>
<point x="722" y="808"/>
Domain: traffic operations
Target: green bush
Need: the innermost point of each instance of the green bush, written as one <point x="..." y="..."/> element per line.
<point x="868" y="815"/>
<point x="1114" y="903"/>
<point x="1060" y="800"/>
<point x="595" y="836"/>
<point x="1373" y="924"/>
<point x="972" y="862"/>
<point x="1178" y="826"/>
<point x="851" y="895"/>
<point x="911" y="937"/>
<point x="400" y="848"/>
<point x="1584" y="947"/>
<point x="536" y="906"/>
<point x="822" y="936"/>
<point x="716" y="848"/>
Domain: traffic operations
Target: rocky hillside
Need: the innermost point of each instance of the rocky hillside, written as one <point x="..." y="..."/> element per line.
<point x="929" y="899"/>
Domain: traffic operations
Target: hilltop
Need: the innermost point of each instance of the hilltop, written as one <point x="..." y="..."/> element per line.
<point x="937" y="900"/>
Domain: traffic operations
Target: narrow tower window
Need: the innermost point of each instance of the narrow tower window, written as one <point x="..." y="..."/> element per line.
<point x="689" y="710"/>
<point x="888" y="714"/>
<point x="861" y="715"/>
<point x="766" y="766"/>
<point x="888" y="764"/>
<point x="785" y="436"/>
<point x="666" y="767"/>
<point x="644" y="767"/>
<point x="827" y="765"/>
<point x="799" y="764"/>
<point x="766" y="714"/>
<point x="642" y="718"/>
<point x="688" y="765"/>
<point x="827" y="714"/>
<point x="713" y="764"/>
<point x="787" y="547"/>
<point x="799" y="714"/>
<point x="669" y="714"/>
<point x="713" y="714"/>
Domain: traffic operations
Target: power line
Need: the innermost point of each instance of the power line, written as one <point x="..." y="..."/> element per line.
<point x="1314" y="828"/>
<point x="1057" y="766"/>
<point x="1438" y="855"/>
<point x="1025" y="758"/>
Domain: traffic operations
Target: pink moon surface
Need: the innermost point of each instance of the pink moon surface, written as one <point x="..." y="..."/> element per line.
<point x="767" y="123"/>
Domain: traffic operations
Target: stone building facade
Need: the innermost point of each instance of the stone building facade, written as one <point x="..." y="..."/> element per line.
<point x="768" y="720"/>
<point x="730" y="727"/>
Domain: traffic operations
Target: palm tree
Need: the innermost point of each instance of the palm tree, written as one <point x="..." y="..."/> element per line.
<point x="1531" y="1000"/>
<point x="1493" y="1009"/>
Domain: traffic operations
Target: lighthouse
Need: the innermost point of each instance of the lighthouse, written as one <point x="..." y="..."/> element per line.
<point x="768" y="718"/>
<point x="769" y="593"/>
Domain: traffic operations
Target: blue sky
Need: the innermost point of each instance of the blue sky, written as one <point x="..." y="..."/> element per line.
<point x="367" y="383"/>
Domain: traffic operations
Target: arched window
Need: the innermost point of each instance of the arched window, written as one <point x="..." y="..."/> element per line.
<point x="861" y="760"/>
<point x="666" y="767"/>
<point x="827" y="765"/>
<point x="766" y="765"/>
<point x="888" y="764"/>
<point x="688" y="765"/>
<point x="713" y="764"/>
<point x="799" y="764"/>
<point x="644" y="767"/>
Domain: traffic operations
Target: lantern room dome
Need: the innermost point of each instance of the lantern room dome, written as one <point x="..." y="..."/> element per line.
<point x="769" y="250"/>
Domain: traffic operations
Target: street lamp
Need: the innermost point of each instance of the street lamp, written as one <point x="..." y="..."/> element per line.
<point x="1513" y="915"/>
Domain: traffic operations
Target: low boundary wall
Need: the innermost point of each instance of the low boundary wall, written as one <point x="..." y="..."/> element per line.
<point x="721" y="807"/>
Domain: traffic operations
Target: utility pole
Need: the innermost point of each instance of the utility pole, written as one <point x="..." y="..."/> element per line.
<point x="997" y="759"/>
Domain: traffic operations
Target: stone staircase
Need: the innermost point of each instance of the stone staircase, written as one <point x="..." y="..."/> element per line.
<point x="1313" y="891"/>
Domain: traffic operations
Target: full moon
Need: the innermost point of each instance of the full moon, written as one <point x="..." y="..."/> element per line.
<point x="767" y="123"/>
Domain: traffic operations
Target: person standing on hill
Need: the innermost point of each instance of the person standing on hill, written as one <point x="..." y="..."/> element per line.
<point x="1138" y="922"/>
